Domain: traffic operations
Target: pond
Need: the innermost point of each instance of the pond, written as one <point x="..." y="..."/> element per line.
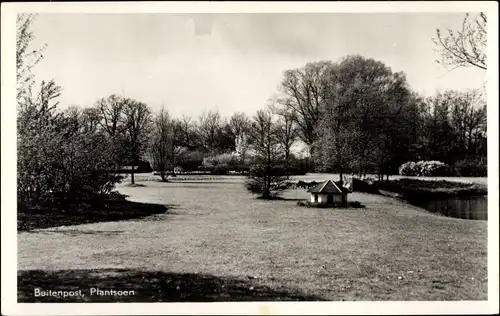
<point x="471" y="207"/>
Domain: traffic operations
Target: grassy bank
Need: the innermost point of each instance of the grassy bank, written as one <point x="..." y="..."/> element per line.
<point x="412" y="189"/>
<point x="388" y="250"/>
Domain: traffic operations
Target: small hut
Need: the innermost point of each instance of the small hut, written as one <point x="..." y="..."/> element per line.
<point x="329" y="192"/>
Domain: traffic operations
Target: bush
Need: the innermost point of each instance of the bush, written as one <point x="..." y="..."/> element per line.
<point x="221" y="169"/>
<point x="59" y="162"/>
<point x="356" y="204"/>
<point x="178" y="169"/>
<point x="409" y="169"/>
<point x="190" y="160"/>
<point x="297" y="171"/>
<point x="425" y="169"/>
<point x="434" y="168"/>
<point x="303" y="203"/>
<point x="472" y="168"/>
<point x="305" y="185"/>
<point x="220" y="164"/>
<point x="366" y="185"/>
<point x="323" y="205"/>
<point x="267" y="183"/>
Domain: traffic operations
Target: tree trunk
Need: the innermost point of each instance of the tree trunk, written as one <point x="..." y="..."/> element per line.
<point x="341" y="176"/>
<point x="266" y="194"/>
<point x="287" y="164"/>
<point x="268" y="184"/>
<point x="341" y="184"/>
<point x="132" y="174"/>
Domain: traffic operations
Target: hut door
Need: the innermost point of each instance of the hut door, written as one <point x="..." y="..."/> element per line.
<point x="329" y="199"/>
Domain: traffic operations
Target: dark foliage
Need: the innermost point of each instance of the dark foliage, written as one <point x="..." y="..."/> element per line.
<point x="267" y="182"/>
<point x="356" y="204"/>
<point x="305" y="185"/>
<point x="363" y="185"/>
<point x="475" y="167"/>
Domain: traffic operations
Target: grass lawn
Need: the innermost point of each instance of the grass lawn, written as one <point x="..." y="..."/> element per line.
<point x="217" y="238"/>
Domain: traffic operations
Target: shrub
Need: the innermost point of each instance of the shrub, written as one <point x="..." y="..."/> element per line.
<point x="268" y="183"/>
<point x="366" y="185"/>
<point x="220" y="169"/>
<point x="434" y="168"/>
<point x="190" y="160"/>
<point x="297" y="171"/>
<point x="220" y="164"/>
<point x="472" y="168"/>
<point x="356" y="204"/>
<point x="409" y="169"/>
<point x="305" y="185"/>
<point x="425" y="168"/>
<point x="303" y="203"/>
<point x="60" y="162"/>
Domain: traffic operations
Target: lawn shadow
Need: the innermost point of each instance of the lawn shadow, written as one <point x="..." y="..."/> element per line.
<point x="108" y="211"/>
<point x="290" y="199"/>
<point x="148" y="287"/>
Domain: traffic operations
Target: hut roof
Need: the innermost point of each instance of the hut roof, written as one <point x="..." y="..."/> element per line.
<point x="329" y="186"/>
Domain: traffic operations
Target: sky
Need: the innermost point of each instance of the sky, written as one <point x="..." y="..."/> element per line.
<point x="189" y="63"/>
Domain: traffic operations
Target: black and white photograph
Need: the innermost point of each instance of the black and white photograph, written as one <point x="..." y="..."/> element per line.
<point x="273" y="154"/>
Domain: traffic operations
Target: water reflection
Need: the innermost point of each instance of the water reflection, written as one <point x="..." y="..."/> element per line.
<point x="472" y="207"/>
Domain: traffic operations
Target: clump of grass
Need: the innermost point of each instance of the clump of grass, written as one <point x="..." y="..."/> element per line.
<point x="354" y="204"/>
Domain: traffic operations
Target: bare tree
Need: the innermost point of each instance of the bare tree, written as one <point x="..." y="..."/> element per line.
<point x="111" y="110"/>
<point x="239" y="124"/>
<point x="90" y="120"/>
<point x="163" y="149"/>
<point x="111" y="114"/>
<point x="26" y="58"/>
<point x="468" y="120"/>
<point x="286" y="131"/>
<point x="266" y="177"/>
<point x="303" y="91"/>
<point x="186" y="131"/>
<point x="136" y="120"/>
<point x="209" y="127"/>
<point x="464" y="47"/>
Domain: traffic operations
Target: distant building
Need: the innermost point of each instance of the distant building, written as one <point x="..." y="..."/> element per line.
<point x="329" y="192"/>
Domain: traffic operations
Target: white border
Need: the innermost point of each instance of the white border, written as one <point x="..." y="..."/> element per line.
<point x="8" y="162"/>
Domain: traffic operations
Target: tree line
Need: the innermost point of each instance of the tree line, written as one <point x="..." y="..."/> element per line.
<point x="357" y="115"/>
<point x="354" y="115"/>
